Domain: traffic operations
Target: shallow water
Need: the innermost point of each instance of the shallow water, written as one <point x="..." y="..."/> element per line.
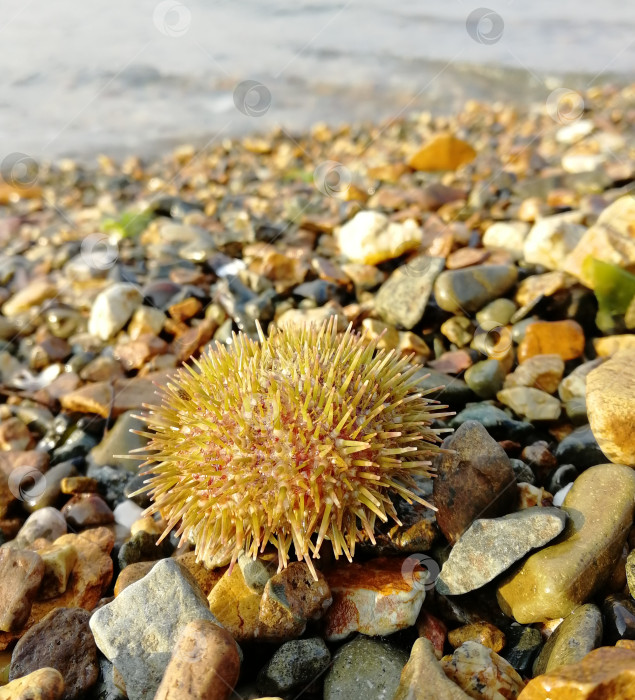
<point x="118" y="76"/>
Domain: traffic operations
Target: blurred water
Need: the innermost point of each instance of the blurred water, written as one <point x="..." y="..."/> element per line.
<point x="119" y="76"/>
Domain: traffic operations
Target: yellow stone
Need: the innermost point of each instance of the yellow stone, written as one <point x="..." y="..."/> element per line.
<point x="43" y="684"/>
<point x="605" y="347"/>
<point x="610" y="398"/>
<point x="59" y="560"/>
<point x="443" y="152"/>
<point x="554" y="581"/>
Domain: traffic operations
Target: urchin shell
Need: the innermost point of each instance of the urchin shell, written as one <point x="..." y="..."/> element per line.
<point x="296" y="439"/>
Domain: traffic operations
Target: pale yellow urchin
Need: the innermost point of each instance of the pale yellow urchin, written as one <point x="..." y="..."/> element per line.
<point x="296" y="439"/>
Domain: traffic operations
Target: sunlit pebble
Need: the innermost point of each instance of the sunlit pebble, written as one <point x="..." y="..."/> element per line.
<point x="126" y="513"/>
<point x="559" y="496"/>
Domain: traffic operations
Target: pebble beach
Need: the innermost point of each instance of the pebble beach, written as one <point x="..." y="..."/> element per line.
<point x="494" y="247"/>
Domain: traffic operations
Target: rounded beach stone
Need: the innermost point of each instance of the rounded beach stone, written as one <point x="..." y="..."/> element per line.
<point x="62" y="640"/>
<point x="553" y="582"/>
<point x="205" y="664"/>
<point x="469" y="289"/>
<point x="577" y="635"/>
<point x="563" y="338"/>
<point x="482" y="632"/>
<point x="476" y="479"/>
<point x="43" y="684"/>
<point x="364" y="666"/>
<point x="294" y="666"/>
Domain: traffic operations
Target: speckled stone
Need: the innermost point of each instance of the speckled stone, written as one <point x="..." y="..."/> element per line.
<point x="491" y="546"/>
<point x="523" y="643"/>
<point x="143" y="547"/>
<point x="294" y="666"/>
<point x="62" y="640"/>
<point x="578" y="634"/>
<point x="403" y="297"/>
<point x="531" y="404"/>
<point x="290" y="599"/>
<point x="481" y="672"/>
<point x="553" y="582"/>
<point x="423" y="677"/>
<point x="362" y="667"/>
<point x="542" y="372"/>
<point x="563" y="338"/>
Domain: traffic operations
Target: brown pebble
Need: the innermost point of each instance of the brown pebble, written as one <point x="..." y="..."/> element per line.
<point x="205" y="664"/>
<point x="72" y="485"/>
<point x="43" y="684"/>
<point x="21" y="574"/>
<point x="62" y="640"/>
<point x="87" y="510"/>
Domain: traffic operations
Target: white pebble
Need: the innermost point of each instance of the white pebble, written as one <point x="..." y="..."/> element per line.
<point x="127" y="512"/>
<point x="559" y="496"/>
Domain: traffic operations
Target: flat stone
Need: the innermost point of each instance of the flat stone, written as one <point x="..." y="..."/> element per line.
<point x="607" y="673"/>
<point x="481" y="672"/>
<point x="62" y="640"/>
<point x="611" y="406"/>
<point x="376" y="598"/>
<point x="551" y="239"/>
<point x="573" y="386"/>
<point x="423" y="677"/>
<point x="363" y="667"/>
<point x="139" y="628"/>
<point x="449" y="390"/>
<point x="476" y="479"/>
<point x="578" y="634"/>
<point x="43" y="684"/>
<point x="529" y="403"/>
<point x="553" y="582"/>
<point x="443" y="152"/>
<point x="542" y="372"/>
<point x="112" y="309"/>
<point x="294" y="666"/>
<point x="205" y="664"/>
<point x="491" y="546"/>
<point x="402" y="299"/>
<point x="370" y="238"/>
<point x="296" y="318"/>
<point x="21" y="574"/>
<point x="497" y="423"/>
<point x="468" y="290"/>
<point x="118" y="442"/>
<point x="563" y="338"/>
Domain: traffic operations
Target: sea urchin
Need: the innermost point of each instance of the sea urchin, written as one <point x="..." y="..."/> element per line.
<point x="296" y="439"/>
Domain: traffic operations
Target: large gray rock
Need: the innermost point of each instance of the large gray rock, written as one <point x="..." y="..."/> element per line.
<point x="365" y="668"/>
<point x="139" y="629"/>
<point x="491" y="546"/>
